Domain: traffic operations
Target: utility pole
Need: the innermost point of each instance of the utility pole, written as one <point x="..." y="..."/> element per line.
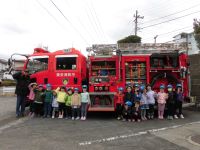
<point x="136" y="16"/>
<point x="155" y="37"/>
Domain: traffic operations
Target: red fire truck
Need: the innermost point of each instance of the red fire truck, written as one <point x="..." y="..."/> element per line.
<point x="109" y="67"/>
<point x="112" y="66"/>
<point x="104" y="77"/>
<point x="63" y="67"/>
<point x="155" y="64"/>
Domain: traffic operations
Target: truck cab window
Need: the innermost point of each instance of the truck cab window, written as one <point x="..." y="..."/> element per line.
<point x="36" y="64"/>
<point x="66" y="63"/>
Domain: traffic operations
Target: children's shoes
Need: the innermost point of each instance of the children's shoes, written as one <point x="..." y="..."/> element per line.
<point x="181" y="116"/>
<point x="175" y="116"/>
<point x="60" y="116"/>
<point x="118" y="118"/>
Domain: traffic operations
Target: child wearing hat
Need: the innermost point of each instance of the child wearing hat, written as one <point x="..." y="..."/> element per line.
<point x="161" y="98"/>
<point x="48" y="94"/>
<point x="144" y="103"/>
<point x="151" y="95"/>
<point x="68" y="110"/>
<point x="76" y="104"/>
<point x="137" y="102"/>
<point x="85" y="101"/>
<point x="119" y="99"/>
<point x="61" y="98"/>
<point x="127" y="111"/>
<point x="31" y="96"/>
<point x="170" y="102"/>
<point x="179" y="98"/>
<point x="128" y="95"/>
<point x="55" y="106"/>
<point x="38" y="100"/>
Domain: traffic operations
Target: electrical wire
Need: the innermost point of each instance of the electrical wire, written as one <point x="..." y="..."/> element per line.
<point x="49" y="13"/>
<point x="69" y="22"/>
<point x="171" y="14"/>
<point x="79" y="20"/>
<point x="170" y="20"/>
<point x="94" y="22"/>
<point x="98" y="22"/>
<point x="166" y="33"/>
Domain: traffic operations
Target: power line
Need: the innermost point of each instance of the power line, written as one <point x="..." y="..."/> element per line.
<point x="99" y="23"/>
<point x="169" y="20"/>
<point x="166" y="33"/>
<point x="48" y="12"/>
<point x="94" y="22"/>
<point x="79" y="20"/>
<point x="171" y="14"/>
<point x="69" y="22"/>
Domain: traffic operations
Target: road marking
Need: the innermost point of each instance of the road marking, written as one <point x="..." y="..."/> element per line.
<point x="133" y="134"/>
<point x="10" y="124"/>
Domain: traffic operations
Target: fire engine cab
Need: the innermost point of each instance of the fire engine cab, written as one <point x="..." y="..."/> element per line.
<point x="63" y="67"/>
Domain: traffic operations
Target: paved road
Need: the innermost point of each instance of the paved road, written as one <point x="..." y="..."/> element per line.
<point x="7" y="107"/>
<point x="99" y="132"/>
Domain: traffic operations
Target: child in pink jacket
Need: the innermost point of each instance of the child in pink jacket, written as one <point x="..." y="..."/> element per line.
<point x="31" y="96"/>
<point x="161" y="98"/>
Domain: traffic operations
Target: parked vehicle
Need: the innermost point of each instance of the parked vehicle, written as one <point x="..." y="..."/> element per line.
<point x="109" y="67"/>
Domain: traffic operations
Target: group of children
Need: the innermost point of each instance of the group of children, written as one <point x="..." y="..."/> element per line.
<point x="139" y="104"/>
<point x="66" y="103"/>
<point x="133" y="105"/>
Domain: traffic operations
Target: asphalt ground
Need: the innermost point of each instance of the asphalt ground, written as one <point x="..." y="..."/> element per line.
<point x="100" y="131"/>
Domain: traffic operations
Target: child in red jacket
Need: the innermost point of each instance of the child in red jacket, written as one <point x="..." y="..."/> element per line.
<point x="119" y="99"/>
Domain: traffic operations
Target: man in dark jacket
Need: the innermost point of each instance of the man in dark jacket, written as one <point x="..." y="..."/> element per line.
<point x="21" y="91"/>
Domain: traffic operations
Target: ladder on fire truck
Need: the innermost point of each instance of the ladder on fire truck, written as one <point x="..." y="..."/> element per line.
<point x="151" y="48"/>
<point x="136" y="48"/>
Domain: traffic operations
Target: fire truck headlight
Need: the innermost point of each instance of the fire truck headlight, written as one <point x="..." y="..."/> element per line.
<point x="100" y="88"/>
<point x="96" y="80"/>
<point x="100" y="79"/>
<point x="96" y="88"/>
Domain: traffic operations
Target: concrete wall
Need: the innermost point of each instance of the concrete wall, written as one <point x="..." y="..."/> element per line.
<point x="195" y="75"/>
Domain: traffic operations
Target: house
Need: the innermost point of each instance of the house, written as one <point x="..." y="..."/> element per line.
<point x="3" y="64"/>
<point x="187" y="38"/>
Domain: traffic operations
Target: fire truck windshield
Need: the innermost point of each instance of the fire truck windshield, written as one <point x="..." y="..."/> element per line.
<point x="37" y="63"/>
<point x="66" y="62"/>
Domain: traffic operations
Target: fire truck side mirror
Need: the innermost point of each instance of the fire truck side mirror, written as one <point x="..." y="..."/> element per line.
<point x="9" y="62"/>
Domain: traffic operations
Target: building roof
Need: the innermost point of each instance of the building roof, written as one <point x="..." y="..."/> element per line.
<point x="3" y="61"/>
<point x="183" y="33"/>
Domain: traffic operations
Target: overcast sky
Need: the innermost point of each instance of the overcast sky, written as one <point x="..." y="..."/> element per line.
<point x="26" y="24"/>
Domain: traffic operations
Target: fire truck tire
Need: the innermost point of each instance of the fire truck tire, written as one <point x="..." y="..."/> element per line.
<point x="170" y="77"/>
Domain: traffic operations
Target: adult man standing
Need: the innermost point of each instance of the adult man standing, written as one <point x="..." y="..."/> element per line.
<point x="21" y="91"/>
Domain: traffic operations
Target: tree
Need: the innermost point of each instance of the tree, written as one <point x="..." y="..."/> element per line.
<point x="130" y="39"/>
<point x="196" y="26"/>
